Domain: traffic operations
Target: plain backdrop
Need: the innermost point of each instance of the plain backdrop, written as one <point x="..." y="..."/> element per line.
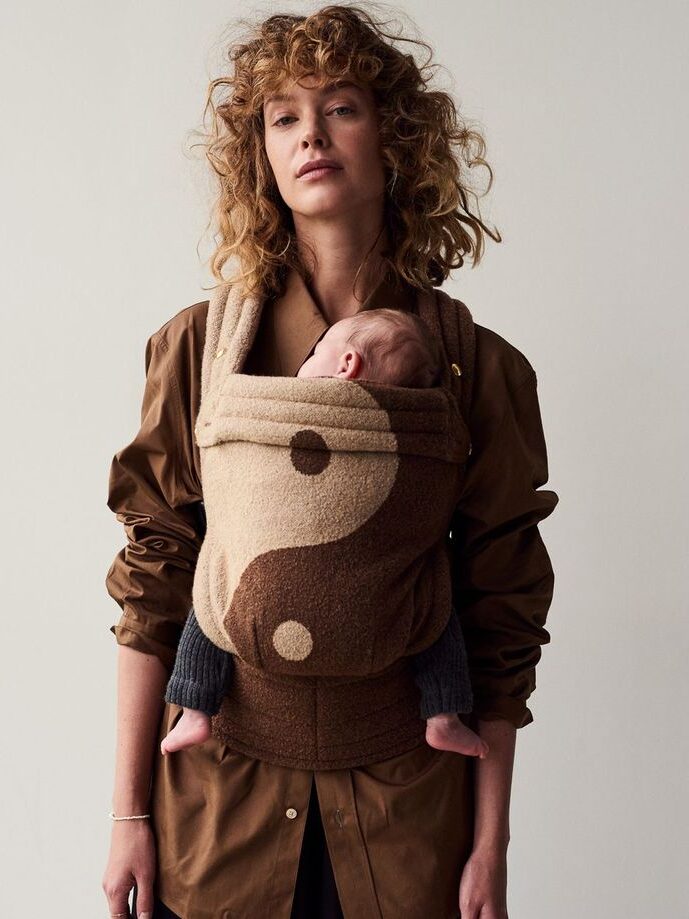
<point x="104" y="211"/>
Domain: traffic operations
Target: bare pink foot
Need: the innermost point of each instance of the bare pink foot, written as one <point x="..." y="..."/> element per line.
<point x="192" y="728"/>
<point x="448" y="732"/>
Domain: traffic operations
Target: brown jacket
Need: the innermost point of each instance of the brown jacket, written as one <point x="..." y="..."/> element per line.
<point x="228" y="826"/>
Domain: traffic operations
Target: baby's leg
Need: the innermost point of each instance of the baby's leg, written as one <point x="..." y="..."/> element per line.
<point x="442" y="675"/>
<point x="198" y="682"/>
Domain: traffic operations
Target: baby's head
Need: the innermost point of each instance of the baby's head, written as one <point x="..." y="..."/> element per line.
<point x="381" y="345"/>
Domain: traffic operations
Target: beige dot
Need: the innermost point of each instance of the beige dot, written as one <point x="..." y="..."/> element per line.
<point x="292" y="640"/>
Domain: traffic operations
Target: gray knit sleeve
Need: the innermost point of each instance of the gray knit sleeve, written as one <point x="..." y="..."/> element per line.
<point x="441" y="672"/>
<point x="201" y="672"/>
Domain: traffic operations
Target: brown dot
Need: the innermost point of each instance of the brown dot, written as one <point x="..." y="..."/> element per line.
<point x="309" y="452"/>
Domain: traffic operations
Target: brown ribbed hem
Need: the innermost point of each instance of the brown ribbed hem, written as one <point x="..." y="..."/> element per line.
<point x="320" y="723"/>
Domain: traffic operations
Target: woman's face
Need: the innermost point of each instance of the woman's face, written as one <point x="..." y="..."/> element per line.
<point x="339" y="123"/>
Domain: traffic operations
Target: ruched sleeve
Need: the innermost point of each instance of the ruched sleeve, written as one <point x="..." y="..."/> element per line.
<point x="155" y="492"/>
<point x="502" y="575"/>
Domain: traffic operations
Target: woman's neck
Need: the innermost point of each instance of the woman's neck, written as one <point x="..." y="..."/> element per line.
<point x="340" y="252"/>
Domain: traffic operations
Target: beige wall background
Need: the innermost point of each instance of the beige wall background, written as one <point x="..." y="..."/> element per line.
<point x="585" y="114"/>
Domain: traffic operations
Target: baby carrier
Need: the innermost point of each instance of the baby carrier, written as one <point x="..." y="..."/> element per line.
<point x="325" y="561"/>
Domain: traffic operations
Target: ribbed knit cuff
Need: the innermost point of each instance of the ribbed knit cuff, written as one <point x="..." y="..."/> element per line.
<point x="201" y="672"/>
<point x="442" y="673"/>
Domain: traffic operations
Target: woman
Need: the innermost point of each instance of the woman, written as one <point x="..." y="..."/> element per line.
<point x="419" y="834"/>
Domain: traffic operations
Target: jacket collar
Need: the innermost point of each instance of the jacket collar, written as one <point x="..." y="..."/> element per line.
<point x="298" y="323"/>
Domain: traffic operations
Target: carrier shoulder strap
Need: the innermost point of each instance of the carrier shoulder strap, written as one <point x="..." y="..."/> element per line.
<point x="452" y="322"/>
<point x="231" y="324"/>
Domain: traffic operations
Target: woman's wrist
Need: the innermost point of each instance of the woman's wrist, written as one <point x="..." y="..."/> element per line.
<point x="492" y="844"/>
<point x="128" y="803"/>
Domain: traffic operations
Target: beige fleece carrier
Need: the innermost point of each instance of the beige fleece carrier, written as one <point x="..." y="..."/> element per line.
<point x="325" y="562"/>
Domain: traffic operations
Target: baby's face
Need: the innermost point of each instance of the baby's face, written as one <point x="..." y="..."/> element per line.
<point x="332" y="357"/>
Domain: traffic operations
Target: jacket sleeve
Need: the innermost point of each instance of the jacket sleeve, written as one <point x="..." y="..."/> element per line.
<point x="502" y="575"/>
<point x="154" y="490"/>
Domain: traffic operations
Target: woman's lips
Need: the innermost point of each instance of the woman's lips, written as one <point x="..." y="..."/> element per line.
<point x="319" y="173"/>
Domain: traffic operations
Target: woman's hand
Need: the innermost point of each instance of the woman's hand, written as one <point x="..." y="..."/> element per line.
<point x="483" y="887"/>
<point x="131" y="861"/>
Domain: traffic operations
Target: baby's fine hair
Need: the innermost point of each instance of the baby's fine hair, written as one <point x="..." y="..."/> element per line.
<point x="396" y="346"/>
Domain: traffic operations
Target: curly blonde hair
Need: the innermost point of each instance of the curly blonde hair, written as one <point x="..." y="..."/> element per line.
<point x="425" y="146"/>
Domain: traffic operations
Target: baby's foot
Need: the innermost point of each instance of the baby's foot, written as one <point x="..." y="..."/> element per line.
<point x="192" y="728"/>
<point x="448" y="732"/>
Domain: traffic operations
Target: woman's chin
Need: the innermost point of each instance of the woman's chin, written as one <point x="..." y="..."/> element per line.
<point x="321" y="202"/>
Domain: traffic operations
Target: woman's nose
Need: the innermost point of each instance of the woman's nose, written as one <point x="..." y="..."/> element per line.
<point x="314" y="135"/>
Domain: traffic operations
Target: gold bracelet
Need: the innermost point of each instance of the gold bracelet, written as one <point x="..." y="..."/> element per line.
<point x="135" y="817"/>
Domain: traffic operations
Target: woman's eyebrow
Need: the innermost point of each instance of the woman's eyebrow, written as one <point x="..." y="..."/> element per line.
<point x="326" y="90"/>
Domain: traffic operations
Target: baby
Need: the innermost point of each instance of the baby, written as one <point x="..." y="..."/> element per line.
<point x="384" y="346"/>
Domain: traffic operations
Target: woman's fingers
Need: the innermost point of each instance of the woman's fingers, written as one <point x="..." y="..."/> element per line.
<point x="117" y="895"/>
<point x="142" y="904"/>
<point x="470" y="911"/>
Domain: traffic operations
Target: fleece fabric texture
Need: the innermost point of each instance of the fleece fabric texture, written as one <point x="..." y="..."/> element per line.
<point x="202" y="672"/>
<point x="326" y="560"/>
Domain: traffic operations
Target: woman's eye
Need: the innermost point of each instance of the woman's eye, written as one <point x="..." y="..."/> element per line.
<point x="336" y="109"/>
